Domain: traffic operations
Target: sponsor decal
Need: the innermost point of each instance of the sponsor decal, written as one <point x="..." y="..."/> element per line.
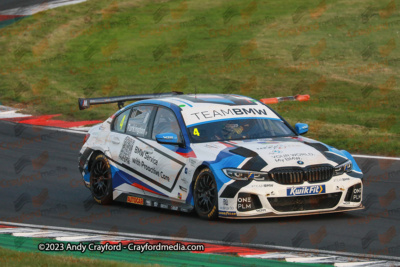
<point x="204" y="114"/>
<point x="135" y="200"/>
<point x="186" y="170"/>
<point x="226" y="208"/>
<point x="212" y="146"/>
<point x="341" y="179"/>
<point x="245" y="202"/>
<point x="164" y="206"/>
<point x="192" y="162"/>
<point x="179" y="195"/>
<point x="276" y="148"/>
<point x="137" y="129"/>
<point x="225" y="202"/>
<point x="356" y="194"/>
<point x="221" y="113"/>
<point x="272" y="193"/>
<point x="126" y="149"/>
<point x="306" y="190"/>
<point x="261" y="210"/>
<point x="340" y="188"/>
<point x="228" y="213"/>
<point x="148" y="163"/>
<point x="183" y="188"/>
<point x="292" y="156"/>
<point x="262" y="185"/>
<point x="145" y="155"/>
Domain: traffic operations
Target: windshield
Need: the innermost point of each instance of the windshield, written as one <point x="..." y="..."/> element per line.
<point x="238" y="129"/>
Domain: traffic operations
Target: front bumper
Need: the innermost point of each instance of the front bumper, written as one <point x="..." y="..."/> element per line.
<point x="258" y="199"/>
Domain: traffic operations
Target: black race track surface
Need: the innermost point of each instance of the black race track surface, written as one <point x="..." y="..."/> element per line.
<point x="40" y="184"/>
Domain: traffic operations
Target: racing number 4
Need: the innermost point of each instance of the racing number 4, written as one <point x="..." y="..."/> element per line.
<point x="196" y="132"/>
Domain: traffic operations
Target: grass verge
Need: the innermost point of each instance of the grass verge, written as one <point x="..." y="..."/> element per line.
<point x="11" y="258"/>
<point x="22" y="251"/>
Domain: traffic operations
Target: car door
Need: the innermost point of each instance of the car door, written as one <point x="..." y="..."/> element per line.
<point x="167" y="165"/>
<point x="124" y="144"/>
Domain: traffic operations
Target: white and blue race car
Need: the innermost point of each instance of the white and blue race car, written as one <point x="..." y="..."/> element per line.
<point x="221" y="155"/>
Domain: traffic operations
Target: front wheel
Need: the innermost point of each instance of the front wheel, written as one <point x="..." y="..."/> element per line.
<point x="100" y="180"/>
<point x="205" y="195"/>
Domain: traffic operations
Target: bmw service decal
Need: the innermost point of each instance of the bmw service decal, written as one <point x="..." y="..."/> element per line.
<point x="306" y="190"/>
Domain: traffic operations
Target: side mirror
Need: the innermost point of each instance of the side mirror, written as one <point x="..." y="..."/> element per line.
<point x="301" y="128"/>
<point x="167" y="138"/>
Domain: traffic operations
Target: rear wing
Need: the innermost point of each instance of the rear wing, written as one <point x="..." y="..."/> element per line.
<point x="276" y="100"/>
<point x="85" y="103"/>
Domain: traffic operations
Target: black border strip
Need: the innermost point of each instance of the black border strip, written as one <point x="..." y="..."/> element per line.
<point x="148" y="178"/>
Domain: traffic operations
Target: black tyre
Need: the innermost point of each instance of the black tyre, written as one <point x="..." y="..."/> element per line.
<point x="205" y="195"/>
<point x="100" y="180"/>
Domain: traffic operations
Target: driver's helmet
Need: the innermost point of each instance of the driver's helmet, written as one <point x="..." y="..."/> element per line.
<point x="231" y="128"/>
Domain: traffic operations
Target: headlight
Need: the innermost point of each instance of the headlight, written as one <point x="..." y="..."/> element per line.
<point x="246" y="175"/>
<point x="344" y="167"/>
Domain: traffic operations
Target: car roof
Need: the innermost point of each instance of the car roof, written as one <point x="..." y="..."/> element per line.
<point x="193" y="100"/>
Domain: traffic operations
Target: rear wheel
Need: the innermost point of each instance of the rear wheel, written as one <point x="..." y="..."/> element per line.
<point x="205" y="195"/>
<point x="100" y="180"/>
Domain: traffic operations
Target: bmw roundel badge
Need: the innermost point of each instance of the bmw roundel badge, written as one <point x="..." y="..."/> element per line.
<point x="300" y="162"/>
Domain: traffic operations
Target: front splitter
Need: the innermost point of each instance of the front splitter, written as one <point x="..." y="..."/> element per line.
<point x="274" y="215"/>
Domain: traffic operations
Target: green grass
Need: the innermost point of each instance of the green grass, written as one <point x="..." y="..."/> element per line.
<point x="22" y="251"/>
<point x="344" y="54"/>
<point x="10" y="258"/>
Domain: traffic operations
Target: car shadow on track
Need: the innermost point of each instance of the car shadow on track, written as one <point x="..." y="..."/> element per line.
<point x="146" y="211"/>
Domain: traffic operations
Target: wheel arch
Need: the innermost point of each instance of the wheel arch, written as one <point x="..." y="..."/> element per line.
<point x="214" y="212"/>
<point x="92" y="157"/>
<point x="196" y="172"/>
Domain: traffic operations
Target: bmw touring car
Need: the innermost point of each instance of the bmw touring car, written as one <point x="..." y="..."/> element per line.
<point x="225" y="156"/>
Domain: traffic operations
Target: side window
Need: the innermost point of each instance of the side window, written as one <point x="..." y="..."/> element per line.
<point x="138" y="122"/>
<point x="166" y="122"/>
<point x="120" y="121"/>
